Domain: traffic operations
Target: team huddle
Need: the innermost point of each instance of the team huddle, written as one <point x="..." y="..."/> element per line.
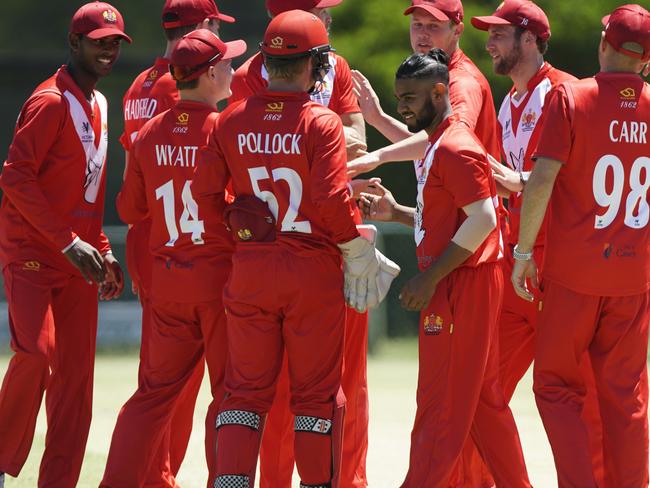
<point x="248" y="251"/>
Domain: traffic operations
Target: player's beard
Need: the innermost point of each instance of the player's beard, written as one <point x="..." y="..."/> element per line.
<point x="507" y="63"/>
<point x="424" y="119"/>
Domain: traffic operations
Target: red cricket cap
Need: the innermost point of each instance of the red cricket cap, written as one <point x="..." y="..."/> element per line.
<point x="250" y="220"/>
<point x="199" y="50"/>
<point x="276" y="7"/>
<point x="629" y="24"/>
<point x="178" y="13"/>
<point x="520" y="13"/>
<point x="292" y="33"/>
<point x="441" y="10"/>
<point x="98" y="19"/>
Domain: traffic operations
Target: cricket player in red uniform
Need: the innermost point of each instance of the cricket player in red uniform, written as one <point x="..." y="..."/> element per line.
<point x="434" y="24"/>
<point x="192" y="255"/>
<point x="276" y="453"/>
<point x="54" y="253"/>
<point x="592" y="165"/>
<point x="153" y="92"/>
<point x="519" y="31"/>
<point x="458" y="290"/>
<point x="289" y="152"/>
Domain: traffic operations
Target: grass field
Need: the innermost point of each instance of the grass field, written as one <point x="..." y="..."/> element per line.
<point x="392" y="378"/>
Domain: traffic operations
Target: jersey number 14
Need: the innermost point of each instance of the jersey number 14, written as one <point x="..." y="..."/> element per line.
<point x="189" y="222"/>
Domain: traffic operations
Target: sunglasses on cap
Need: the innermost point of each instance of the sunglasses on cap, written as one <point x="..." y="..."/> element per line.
<point x="184" y="73"/>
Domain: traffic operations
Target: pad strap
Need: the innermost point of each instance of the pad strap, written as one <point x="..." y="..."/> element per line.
<point x="239" y="417"/>
<point x="232" y="481"/>
<point x="303" y="423"/>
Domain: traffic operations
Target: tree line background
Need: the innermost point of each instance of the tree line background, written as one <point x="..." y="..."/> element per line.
<point x="371" y="34"/>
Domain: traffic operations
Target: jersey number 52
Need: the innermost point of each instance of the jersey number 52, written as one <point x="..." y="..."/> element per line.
<point x="292" y="178"/>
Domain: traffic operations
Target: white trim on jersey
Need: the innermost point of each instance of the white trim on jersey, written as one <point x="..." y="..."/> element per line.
<point x="95" y="156"/>
<point x="323" y="94"/>
<point x="422" y="173"/>
<point x="516" y="146"/>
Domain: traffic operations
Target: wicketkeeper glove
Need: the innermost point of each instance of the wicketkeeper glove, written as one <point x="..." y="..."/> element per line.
<point x="368" y="273"/>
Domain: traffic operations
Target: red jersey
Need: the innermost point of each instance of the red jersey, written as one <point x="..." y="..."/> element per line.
<point x="597" y="237"/>
<point x="290" y="153"/>
<point x="519" y="129"/>
<point x="455" y="174"/>
<point x="151" y="93"/>
<point x="471" y="99"/>
<point x="335" y="92"/>
<point x="53" y="178"/>
<point x="183" y="235"/>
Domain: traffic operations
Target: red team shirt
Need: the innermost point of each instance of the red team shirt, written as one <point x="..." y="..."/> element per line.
<point x="455" y="174"/>
<point x="471" y="98"/>
<point x="335" y="92"/>
<point x="53" y="178"/>
<point x="184" y="237"/>
<point x="597" y="236"/>
<point x="290" y="153"/>
<point x="519" y="129"/>
<point x="151" y="93"/>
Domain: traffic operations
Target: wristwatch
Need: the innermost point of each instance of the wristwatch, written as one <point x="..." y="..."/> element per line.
<point x="521" y="256"/>
<point x="523" y="177"/>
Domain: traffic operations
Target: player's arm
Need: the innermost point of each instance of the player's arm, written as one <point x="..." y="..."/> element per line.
<point x="212" y="176"/>
<point x="391" y="128"/>
<point x="380" y="205"/>
<point x="407" y="149"/>
<point x="481" y="220"/>
<point x="466" y="99"/>
<point x="552" y="151"/>
<point x="38" y="128"/>
<point x="131" y="201"/>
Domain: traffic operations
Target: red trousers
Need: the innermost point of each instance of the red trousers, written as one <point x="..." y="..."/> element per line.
<point x="614" y="332"/>
<point x="53" y="323"/>
<point x="167" y="460"/>
<point x="182" y="335"/>
<point x="276" y="453"/>
<point x="304" y="316"/>
<point x="458" y="388"/>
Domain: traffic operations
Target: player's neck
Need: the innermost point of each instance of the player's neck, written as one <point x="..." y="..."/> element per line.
<point x="439" y="119"/>
<point x="170" y="47"/>
<point x="197" y="95"/>
<point x="524" y="72"/>
<point x="85" y="81"/>
<point x="278" y="85"/>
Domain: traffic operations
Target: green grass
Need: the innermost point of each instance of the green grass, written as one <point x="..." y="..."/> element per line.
<point x="392" y="374"/>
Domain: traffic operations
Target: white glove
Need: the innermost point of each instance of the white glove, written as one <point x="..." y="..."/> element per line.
<point x="368" y="273"/>
<point x="360" y="268"/>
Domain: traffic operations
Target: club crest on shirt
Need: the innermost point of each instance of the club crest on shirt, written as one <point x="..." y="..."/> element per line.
<point x="433" y="324"/>
<point x="275" y="107"/>
<point x="528" y="120"/>
<point x="183" y="118"/>
<point x="109" y="17"/>
<point x="32" y="266"/>
<point x="628" y="94"/>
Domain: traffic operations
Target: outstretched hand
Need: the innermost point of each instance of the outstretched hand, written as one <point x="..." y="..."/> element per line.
<point x="368" y="99"/>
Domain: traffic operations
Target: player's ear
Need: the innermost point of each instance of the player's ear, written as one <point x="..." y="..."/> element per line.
<point x="458" y="30"/>
<point x="438" y="91"/>
<point x="74" y="40"/>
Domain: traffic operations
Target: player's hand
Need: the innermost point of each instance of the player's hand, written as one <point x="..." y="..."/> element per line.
<point x="646" y="70"/>
<point x="88" y="261"/>
<point x="521" y="273"/>
<point x="378" y="205"/>
<point x="364" y="164"/>
<point x="113" y="284"/>
<point x="505" y="177"/>
<point x="368" y="99"/>
<point x="355" y="145"/>
<point x="417" y="292"/>
<point x="364" y="186"/>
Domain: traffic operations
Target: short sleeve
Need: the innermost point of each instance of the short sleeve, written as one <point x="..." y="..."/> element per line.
<point x="466" y="97"/>
<point x="344" y="101"/>
<point x="464" y="175"/>
<point x="556" y="137"/>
